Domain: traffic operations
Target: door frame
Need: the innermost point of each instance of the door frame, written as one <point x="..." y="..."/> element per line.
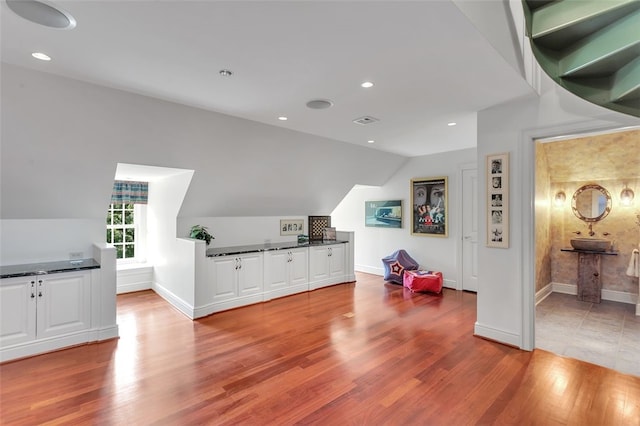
<point x="459" y="202"/>
<point x="526" y="162"/>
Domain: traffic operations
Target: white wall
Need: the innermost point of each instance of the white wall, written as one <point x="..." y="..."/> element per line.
<point x="46" y="240"/>
<point x="372" y="244"/>
<point x="62" y="140"/>
<point x="173" y="259"/>
<point x="235" y="231"/>
<point x="505" y="276"/>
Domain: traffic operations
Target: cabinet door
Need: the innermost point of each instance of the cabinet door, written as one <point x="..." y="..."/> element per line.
<point x="17" y="310"/>
<point x="224" y="277"/>
<point x="298" y="267"/>
<point x="64" y="302"/>
<point x="318" y="263"/>
<point x="337" y="261"/>
<point x="250" y="274"/>
<point x="276" y="270"/>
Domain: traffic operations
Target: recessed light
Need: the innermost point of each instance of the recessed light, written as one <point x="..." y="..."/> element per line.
<point x="370" y="141"/>
<point x="367" y="84"/>
<point x="282" y="118"/>
<point x="43" y="14"/>
<point x="453" y="123"/>
<point x="226" y="73"/>
<point x="41" y="56"/>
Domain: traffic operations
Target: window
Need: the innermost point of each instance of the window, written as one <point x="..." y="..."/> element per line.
<point x="124" y="231"/>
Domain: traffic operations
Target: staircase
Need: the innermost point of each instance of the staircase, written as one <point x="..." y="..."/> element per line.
<point x="589" y="47"/>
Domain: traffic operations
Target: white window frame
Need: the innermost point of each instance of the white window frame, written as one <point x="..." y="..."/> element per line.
<point x="140" y="234"/>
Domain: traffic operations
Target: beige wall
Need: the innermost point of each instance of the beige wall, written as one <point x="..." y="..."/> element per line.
<point x="613" y="161"/>
<point x="542" y="220"/>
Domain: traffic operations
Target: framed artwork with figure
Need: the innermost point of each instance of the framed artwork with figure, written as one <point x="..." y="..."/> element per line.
<point x="429" y="205"/>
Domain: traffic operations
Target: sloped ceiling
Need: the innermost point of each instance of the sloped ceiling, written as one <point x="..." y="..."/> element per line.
<point x="429" y="63"/>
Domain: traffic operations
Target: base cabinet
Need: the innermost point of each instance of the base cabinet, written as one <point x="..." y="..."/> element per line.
<point x="235" y="281"/>
<point x="285" y="272"/>
<point x="44" y="307"/>
<point x="327" y="265"/>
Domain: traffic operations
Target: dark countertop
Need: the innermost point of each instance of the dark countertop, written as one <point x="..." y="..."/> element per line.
<point x="43" y="268"/>
<point x="253" y="248"/>
<point x="610" y="253"/>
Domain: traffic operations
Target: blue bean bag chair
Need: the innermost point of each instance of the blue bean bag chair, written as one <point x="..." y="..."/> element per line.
<point x="395" y="264"/>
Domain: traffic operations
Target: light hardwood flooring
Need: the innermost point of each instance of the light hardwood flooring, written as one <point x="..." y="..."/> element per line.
<point x="365" y="353"/>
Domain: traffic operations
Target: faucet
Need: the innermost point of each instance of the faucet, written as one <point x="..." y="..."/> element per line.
<point x="591" y="233"/>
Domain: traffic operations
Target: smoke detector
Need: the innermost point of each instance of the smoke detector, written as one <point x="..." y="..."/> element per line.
<point x="367" y="119"/>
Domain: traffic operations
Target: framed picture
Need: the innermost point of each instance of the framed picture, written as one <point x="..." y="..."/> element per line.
<point x="317" y="225"/>
<point x="498" y="200"/>
<point x="383" y="214"/>
<point x="429" y="205"/>
<point x="291" y="226"/>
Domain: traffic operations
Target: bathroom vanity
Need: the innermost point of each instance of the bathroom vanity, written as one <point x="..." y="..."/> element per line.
<point x="589" y="273"/>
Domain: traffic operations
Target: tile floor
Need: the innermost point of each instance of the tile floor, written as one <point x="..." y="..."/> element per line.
<point x="606" y="334"/>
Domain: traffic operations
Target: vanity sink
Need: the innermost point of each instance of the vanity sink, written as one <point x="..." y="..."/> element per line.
<point x="590" y="244"/>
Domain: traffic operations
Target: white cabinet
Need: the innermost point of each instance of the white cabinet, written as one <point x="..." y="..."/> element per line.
<point x="327" y="265"/>
<point x="44" y="306"/>
<point x="235" y="281"/>
<point x="285" y="272"/>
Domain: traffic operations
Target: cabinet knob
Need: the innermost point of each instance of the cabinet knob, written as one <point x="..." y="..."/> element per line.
<point x="39" y="294"/>
<point x="595" y="274"/>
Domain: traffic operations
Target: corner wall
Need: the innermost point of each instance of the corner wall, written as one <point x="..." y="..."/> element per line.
<point x="372" y="244"/>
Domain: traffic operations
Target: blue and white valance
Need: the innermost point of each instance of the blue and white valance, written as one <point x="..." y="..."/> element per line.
<point x="129" y="192"/>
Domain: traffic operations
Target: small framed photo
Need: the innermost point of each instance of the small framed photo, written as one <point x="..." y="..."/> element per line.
<point x="291" y="226"/>
<point x="498" y="200"/>
<point x="383" y="214"/>
<point x="429" y="204"/>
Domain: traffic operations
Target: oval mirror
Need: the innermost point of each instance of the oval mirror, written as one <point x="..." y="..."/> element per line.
<point x="591" y="203"/>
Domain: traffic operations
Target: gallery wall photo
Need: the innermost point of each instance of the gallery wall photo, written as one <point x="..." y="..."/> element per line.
<point x="498" y="200"/>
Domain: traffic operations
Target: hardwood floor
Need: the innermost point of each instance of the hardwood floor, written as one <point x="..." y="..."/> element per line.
<point x="366" y="353"/>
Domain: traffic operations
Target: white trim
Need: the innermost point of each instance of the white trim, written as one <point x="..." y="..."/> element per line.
<point x="459" y="201"/>
<point x="543" y="293"/>
<point x="182" y="306"/>
<point x="606" y="294"/>
<point x="571" y="289"/>
<point x="497" y="335"/>
<point x="526" y="163"/>
<point x="134" y="277"/>
<point x="374" y="270"/>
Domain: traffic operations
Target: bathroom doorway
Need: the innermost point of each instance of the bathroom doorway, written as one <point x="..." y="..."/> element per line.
<point x="605" y="333"/>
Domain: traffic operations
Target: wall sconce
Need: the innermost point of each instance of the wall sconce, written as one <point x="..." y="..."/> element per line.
<point x="626" y="196"/>
<point x="560" y="198"/>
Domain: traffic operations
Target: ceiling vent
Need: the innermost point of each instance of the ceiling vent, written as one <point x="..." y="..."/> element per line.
<point x="367" y="119"/>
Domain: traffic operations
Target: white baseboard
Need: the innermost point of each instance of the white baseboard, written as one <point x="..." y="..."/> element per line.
<point x="611" y="295"/>
<point x="174" y="301"/>
<point x="130" y="279"/>
<point x="380" y="271"/>
<point x="543" y="293"/>
<point x="497" y="335"/>
<point x="370" y="270"/>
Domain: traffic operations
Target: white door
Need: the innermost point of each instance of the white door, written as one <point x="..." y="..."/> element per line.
<point x="17" y="310"/>
<point x="63" y="303"/>
<point x="470" y="212"/>
<point x="250" y="274"/>
<point x="299" y="271"/>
